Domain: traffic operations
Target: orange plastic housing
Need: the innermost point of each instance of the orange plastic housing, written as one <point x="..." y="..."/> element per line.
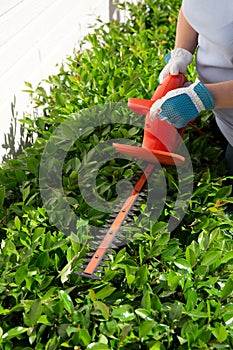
<point x="160" y="139"/>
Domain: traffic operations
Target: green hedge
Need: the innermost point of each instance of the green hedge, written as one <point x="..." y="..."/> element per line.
<point x="161" y="291"/>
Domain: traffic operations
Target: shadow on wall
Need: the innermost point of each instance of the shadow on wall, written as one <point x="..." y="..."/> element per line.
<point x="25" y="139"/>
<point x="114" y="12"/>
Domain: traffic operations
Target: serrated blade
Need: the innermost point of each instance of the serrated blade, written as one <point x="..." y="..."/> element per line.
<point x="111" y="234"/>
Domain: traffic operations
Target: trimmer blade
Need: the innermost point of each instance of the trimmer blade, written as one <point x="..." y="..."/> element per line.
<point x="110" y="240"/>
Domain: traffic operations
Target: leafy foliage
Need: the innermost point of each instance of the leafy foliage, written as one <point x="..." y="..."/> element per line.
<point x="161" y="291"/>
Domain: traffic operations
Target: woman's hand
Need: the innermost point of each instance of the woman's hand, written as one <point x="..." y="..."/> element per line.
<point x="179" y="106"/>
<point x="177" y="62"/>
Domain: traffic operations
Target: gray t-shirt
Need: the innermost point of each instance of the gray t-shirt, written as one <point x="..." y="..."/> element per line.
<point x="213" y="21"/>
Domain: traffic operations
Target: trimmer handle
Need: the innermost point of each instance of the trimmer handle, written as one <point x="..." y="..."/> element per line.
<point x="158" y="135"/>
<point x="142" y="106"/>
<point x="170" y="83"/>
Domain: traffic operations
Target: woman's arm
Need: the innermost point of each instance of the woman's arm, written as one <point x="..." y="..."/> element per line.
<point x="222" y="94"/>
<point x="186" y="36"/>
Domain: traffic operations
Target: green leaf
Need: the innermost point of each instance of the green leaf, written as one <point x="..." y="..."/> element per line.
<point x="198" y="314"/>
<point x="211" y="257"/>
<point x="183" y="264"/>
<point x="68" y="303"/>
<point x="21" y="274"/>
<point x="33" y="167"/>
<point x="191" y="297"/>
<point x="164" y="237"/>
<point x="43" y="260"/>
<point x="175" y="312"/>
<point x="133" y="131"/>
<point x="227" y="312"/>
<point x="220" y="333"/>
<point x="52" y="343"/>
<point x="59" y="98"/>
<point x="145" y="328"/>
<point x="146" y="300"/>
<point x="104" y="292"/>
<point x="17" y="223"/>
<point x="191" y="256"/>
<point x="103" y="308"/>
<point x="44" y="320"/>
<point x="2" y="196"/>
<point x="173" y="279"/>
<point x="142" y="275"/>
<point x="228" y="288"/>
<point x="159" y="226"/>
<point x="66" y="271"/>
<point x="144" y="314"/>
<point x="14" y="332"/>
<point x="26" y="192"/>
<point x="227" y="257"/>
<point x="223" y="193"/>
<point x="84" y="336"/>
<point x="35" y="312"/>
<point x="124" y="313"/>
<point x="98" y="346"/>
<point x="157" y="346"/>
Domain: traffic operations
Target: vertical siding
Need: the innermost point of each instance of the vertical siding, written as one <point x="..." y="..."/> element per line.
<point x="34" y="37"/>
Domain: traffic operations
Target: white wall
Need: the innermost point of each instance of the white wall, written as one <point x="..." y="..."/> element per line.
<point x="35" y="35"/>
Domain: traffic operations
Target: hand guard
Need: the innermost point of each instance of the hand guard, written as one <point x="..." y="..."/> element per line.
<point x="177" y="61"/>
<point x="179" y="106"/>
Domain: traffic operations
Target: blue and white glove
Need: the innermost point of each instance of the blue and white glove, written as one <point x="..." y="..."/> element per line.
<point x="177" y="62"/>
<point x="179" y="106"/>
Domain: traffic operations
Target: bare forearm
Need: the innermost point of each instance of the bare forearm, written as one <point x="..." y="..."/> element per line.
<point x="222" y="94"/>
<point x="186" y="36"/>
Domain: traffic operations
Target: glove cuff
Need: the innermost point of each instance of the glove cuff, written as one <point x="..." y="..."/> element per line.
<point x="204" y="95"/>
<point x="167" y="57"/>
<point x="179" y="52"/>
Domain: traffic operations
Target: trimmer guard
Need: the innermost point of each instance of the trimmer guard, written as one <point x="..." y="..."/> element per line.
<point x="150" y="156"/>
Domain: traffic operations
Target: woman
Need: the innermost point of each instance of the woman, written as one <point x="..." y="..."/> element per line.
<point x="208" y="26"/>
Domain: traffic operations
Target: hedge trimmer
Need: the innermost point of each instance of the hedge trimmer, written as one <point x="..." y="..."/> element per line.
<point x="160" y="142"/>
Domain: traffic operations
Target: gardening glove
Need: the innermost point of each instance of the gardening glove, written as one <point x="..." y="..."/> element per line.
<point x="177" y="61"/>
<point x="179" y="106"/>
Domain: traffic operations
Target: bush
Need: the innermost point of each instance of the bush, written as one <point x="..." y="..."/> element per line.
<point x="161" y="291"/>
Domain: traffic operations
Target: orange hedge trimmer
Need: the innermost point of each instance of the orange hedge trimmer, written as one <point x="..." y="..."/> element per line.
<point x="160" y="142"/>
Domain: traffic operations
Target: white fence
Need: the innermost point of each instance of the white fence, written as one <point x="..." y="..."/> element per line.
<point x="35" y="36"/>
